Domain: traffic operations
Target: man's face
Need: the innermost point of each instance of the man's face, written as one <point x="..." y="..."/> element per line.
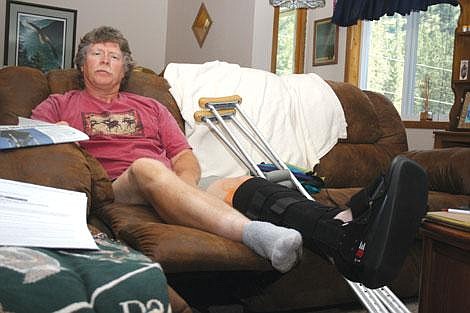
<point x="104" y="66"/>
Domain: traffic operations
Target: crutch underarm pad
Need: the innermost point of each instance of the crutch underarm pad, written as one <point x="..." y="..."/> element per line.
<point x="203" y="102"/>
<point x="200" y="115"/>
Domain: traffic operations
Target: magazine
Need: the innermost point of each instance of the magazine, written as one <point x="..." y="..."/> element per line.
<point x="36" y="133"/>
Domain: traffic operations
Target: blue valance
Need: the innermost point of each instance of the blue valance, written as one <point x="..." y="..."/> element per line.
<point x="348" y="12"/>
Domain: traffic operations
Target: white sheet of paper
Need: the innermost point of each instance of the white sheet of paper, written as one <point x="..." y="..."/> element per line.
<point x="39" y="216"/>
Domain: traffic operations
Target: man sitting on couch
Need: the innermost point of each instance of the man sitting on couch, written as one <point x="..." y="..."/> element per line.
<point x="143" y="150"/>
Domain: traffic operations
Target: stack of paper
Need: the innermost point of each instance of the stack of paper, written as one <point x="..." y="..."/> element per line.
<point x="38" y="216"/>
<point x="456" y="220"/>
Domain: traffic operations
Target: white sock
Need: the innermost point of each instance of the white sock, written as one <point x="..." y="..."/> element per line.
<point x="282" y="246"/>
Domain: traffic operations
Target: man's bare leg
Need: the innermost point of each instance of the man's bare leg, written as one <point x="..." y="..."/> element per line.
<point x="148" y="181"/>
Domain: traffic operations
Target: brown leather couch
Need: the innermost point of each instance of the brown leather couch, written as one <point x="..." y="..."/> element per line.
<point x="206" y="269"/>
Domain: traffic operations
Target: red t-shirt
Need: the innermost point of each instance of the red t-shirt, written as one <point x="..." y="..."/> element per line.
<point x="129" y="128"/>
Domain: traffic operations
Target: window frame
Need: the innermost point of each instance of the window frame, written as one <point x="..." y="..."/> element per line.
<point x="353" y="65"/>
<point x="300" y="34"/>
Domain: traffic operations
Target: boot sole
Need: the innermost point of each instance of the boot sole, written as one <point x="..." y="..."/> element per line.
<point x="395" y="226"/>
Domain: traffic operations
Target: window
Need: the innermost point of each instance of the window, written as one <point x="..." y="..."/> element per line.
<point x="401" y="55"/>
<point x="288" y="40"/>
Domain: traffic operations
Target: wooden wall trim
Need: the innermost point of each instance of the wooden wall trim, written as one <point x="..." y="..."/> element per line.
<point x="353" y="54"/>
<point x="426" y="124"/>
<point x="300" y="41"/>
<point x="274" y="44"/>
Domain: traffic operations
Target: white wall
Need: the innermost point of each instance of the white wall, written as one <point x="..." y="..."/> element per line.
<point x="262" y="35"/>
<point x="331" y="71"/>
<point x="420" y="139"/>
<point x="143" y="22"/>
<point x="229" y="39"/>
<point x="240" y="34"/>
<point x="160" y="32"/>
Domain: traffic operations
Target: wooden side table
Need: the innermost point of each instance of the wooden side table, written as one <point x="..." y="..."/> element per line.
<point x="445" y="278"/>
<point x="447" y="139"/>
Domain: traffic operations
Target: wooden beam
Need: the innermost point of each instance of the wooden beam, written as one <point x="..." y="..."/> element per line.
<point x="353" y="54"/>
<point x="300" y="34"/>
<point x="274" y="44"/>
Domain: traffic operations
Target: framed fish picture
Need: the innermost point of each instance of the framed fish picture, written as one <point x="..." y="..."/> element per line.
<point x="39" y="36"/>
<point x="325" y="42"/>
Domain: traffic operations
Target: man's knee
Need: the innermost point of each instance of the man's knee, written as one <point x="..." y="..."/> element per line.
<point x="223" y="188"/>
<point x="147" y="167"/>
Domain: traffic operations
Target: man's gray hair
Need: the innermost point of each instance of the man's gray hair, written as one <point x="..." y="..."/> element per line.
<point x="100" y="35"/>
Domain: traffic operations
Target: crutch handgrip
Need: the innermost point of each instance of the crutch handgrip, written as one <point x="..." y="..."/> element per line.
<point x="200" y="115"/>
<point x="203" y="102"/>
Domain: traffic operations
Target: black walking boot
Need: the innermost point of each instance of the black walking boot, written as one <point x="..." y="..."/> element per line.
<point x="372" y="247"/>
<point x="369" y="249"/>
<point x="363" y="199"/>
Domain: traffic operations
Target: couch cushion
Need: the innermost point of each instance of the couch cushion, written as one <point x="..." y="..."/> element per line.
<point x="390" y="123"/>
<point x="436" y="200"/>
<point x="21" y="89"/>
<point x="352" y="165"/>
<point x="448" y="169"/>
<point x="376" y="134"/>
<point x="150" y="85"/>
<point x="61" y="81"/>
<point x="441" y="200"/>
<point x="62" y="166"/>
<point x="363" y="124"/>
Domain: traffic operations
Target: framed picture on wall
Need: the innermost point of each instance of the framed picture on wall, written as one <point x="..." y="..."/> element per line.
<point x="39" y="36"/>
<point x="464" y="119"/>
<point x="325" y="42"/>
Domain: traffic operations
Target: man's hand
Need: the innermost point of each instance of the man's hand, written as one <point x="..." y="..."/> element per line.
<point x="186" y="166"/>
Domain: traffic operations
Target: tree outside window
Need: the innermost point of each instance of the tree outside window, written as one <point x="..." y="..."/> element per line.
<point x="401" y="55"/>
<point x="286" y="41"/>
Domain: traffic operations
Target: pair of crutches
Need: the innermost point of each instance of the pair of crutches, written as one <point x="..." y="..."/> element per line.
<point x="217" y="113"/>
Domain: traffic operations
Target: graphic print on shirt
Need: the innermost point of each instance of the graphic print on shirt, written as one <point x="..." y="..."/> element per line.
<point x="126" y="123"/>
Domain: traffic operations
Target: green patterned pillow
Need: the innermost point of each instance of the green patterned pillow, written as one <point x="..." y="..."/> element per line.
<point x="112" y="279"/>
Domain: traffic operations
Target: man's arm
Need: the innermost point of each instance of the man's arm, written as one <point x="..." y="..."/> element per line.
<point x="186" y="166"/>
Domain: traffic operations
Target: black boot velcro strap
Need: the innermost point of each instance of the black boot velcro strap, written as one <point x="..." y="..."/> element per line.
<point x="261" y="200"/>
<point x="252" y="194"/>
<point x="328" y="232"/>
<point x="361" y="201"/>
<point x="269" y="204"/>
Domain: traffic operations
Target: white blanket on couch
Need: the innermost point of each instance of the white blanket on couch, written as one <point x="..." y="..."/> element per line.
<point x="299" y="114"/>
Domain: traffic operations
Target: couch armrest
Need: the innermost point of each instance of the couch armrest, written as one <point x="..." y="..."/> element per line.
<point x="177" y="248"/>
<point x="448" y="169"/>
